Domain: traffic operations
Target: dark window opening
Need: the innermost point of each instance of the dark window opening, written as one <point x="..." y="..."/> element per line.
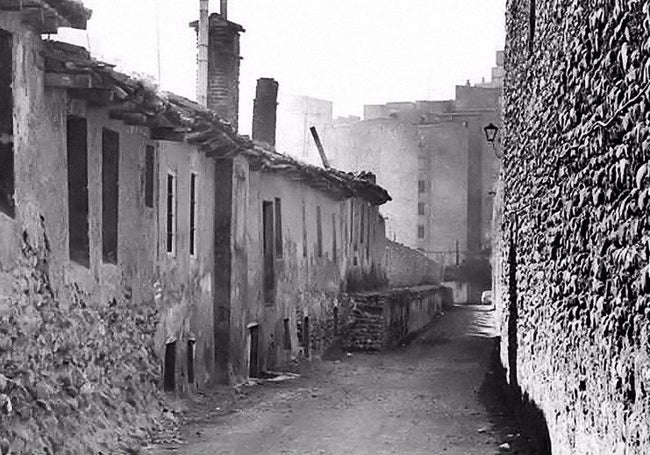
<point x="368" y="225"/>
<point x="420" y="231"/>
<point x="170" y="367"/>
<point x="422" y="186"/>
<point x="193" y="210"/>
<point x="287" y="335"/>
<point x="334" y="239"/>
<point x="171" y="213"/>
<point x="304" y="231"/>
<point x="110" y="194"/>
<point x="253" y="370"/>
<point x="421" y="207"/>
<point x="278" y="228"/>
<point x="319" y="233"/>
<point x="191" y="355"/>
<point x="149" y="175"/>
<point x="269" y="263"/>
<point x="362" y="229"/>
<point x="7" y="172"/>
<point x="306" y="342"/>
<point x="77" y="144"/>
<point x="336" y="320"/>
<point x="531" y="26"/>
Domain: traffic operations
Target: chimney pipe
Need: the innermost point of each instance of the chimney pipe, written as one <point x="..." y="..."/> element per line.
<point x="204" y="26"/>
<point x="224" y="9"/>
<point x="265" y="111"/>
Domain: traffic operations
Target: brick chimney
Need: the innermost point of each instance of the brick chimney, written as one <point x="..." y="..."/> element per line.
<point x="223" y="67"/>
<point x="265" y="111"/>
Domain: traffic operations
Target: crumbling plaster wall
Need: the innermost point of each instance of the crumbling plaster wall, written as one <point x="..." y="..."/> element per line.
<point x="407" y="267"/>
<point x="76" y="363"/>
<point x="574" y="280"/>
<point x="305" y="286"/>
<point x="186" y="280"/>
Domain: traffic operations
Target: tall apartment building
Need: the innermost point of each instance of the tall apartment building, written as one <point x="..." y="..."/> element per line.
<point x="432" y="156"/>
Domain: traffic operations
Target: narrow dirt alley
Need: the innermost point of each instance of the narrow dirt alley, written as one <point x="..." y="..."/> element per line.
<point x="424" y="398"/>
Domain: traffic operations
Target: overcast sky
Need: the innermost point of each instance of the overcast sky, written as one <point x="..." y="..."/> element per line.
<point x="352" y="52"/>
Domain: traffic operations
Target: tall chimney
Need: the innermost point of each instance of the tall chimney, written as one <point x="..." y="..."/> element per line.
<point x="224" y="9"/>
<point x="223" y="67"/>
<point x="202" y="79"/>
<point x="265" y="111"/>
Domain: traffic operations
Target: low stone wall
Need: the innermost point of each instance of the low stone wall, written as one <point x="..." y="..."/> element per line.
<point x="407" y="267"/>
<point x="380" y="320"/>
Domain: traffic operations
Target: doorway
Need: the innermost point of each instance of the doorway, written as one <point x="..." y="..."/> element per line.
<point x="306" y="337"/>
<point x="253" y="370"/>
<point x="170" y="367"/>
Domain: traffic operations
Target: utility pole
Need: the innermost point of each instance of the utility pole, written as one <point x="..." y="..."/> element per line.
<point x="204" y="30"/>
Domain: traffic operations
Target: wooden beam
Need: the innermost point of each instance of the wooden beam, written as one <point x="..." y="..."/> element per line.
<point x="94" y="96"/>
<point x="167" y="134"/>
<point x="65" y="80"/>
<point x="135" y="119"/>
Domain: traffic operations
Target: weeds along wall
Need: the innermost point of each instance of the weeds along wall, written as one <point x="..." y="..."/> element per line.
<point x="573" y="279"/>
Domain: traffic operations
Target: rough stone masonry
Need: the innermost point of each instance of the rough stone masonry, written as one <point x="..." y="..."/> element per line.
<point x="573" y="273"/>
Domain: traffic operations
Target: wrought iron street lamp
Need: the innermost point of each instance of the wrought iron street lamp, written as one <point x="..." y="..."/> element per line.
<point x="491" y="132"/>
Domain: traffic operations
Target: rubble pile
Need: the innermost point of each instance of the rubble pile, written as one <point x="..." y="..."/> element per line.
<point x="74" y="378"/>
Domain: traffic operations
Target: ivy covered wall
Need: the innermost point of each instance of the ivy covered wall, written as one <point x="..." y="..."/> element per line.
<point x="572" y="265"/>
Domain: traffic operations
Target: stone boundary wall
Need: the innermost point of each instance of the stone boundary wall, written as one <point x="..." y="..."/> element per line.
<point x="408" y="267"/>
<point x="573" y="279"/>
<point x="381" y="320"/>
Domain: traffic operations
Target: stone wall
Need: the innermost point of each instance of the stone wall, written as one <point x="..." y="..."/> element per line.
<point x="574" y="281"/>
<point x="381" y="320"/>
<point x="76" y="376"/>
<point x="407" y="267"/>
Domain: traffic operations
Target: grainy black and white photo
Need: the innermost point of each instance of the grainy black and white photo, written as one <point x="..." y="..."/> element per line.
<point x="324" y="227"/>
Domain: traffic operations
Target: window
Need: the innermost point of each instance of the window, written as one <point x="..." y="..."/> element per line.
<point x="362" y="229"/>
<point x="304" y="231"/>
<point x="191" y="356"/>
<point x="77" y="144"/>
<point x="352" y="221"/>
<point x="287" y="335"/>
<point x="110" y="194"/>
<point x="420" y="231"/>
<point x="368" y="224"/>
<point x="269" y="263"/>
<point x="421" y="206"/>
<point x="334" y="239"/>
<point x="278" y="228"/>
<point x="193" y="212"/>
<point x="149" y="175"/>
<point x="7" y="176"/>
<point x="319" y="233"/>
<point x="422" y="186"/>
<point x="171" y="213"/>
<point x="531" y="26"/>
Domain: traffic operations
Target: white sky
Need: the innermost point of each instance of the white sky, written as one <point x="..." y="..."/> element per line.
<point x="352" y="52"/>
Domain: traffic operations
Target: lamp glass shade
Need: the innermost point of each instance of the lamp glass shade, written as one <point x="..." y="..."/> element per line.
<point x="491" y="132"/>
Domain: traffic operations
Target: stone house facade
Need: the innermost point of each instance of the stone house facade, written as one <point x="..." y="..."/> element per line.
<point x="154" y="185"/>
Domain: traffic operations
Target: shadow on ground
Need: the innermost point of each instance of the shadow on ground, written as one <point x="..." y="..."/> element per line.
<point x="511" y="410"/>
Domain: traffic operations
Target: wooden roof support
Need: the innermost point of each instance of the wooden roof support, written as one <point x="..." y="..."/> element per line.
<point x="167" y="134"/>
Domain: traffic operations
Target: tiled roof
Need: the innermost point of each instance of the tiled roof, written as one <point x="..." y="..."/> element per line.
<point x="48" y="15"/>
<point x="172" y="117"/>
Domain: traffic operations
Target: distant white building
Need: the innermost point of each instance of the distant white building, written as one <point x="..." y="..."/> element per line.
<point x="296" y="114"/>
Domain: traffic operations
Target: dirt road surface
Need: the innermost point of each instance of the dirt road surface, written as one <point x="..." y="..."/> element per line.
<point x="424" y="398"/>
